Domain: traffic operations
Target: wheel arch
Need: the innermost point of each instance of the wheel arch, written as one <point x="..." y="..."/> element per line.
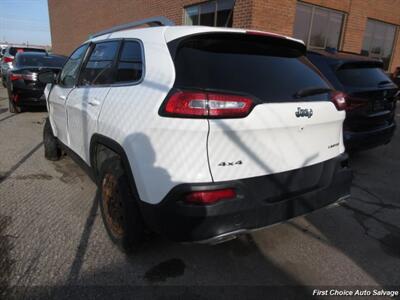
<point x="102" y="148"/>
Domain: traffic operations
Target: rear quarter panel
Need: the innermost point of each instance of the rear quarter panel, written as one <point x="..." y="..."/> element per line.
<point x="162" y="152"/>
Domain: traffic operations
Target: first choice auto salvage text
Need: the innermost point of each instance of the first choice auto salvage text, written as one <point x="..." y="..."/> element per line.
<point x="356" y="292"/>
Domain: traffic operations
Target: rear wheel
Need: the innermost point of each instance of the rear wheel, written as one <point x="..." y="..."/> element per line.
<point x="119" y="207"/>
<point x="12" y="107"/>
<point x="52" y="150"/>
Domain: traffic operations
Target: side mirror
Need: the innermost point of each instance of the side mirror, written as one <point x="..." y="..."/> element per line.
<point x="47" y="77"/>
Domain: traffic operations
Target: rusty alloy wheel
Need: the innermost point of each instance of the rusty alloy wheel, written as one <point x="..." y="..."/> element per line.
<point x="113" y="208"/>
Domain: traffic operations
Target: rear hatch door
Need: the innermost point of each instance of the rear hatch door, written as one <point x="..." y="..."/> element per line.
<point x="284" y="131"/>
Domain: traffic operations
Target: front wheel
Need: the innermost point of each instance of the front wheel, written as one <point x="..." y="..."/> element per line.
<point x="119" y="206"/>
<point x="52" y="150"/>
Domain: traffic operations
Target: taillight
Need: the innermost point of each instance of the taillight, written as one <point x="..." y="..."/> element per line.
<point x="347" y="102"/>
<point x="210" y="197"/>
<point x="339" y="99"/>
<point x="187" y="104"/>
<point x="206" y="105"/>
<point x="14" y="77"/>
<point x="354" y="102"/>
<point x="7" y="59"/>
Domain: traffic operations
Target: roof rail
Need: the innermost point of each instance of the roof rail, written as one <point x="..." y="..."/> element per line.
<point x="153" y="21"/>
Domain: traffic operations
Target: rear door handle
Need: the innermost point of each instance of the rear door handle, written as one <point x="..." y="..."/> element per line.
<point x="62" y="97"/>
<point x="94" y="102"/>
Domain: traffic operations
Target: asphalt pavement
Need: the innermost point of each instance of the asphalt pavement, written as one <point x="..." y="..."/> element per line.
<point x="52" y="239"/>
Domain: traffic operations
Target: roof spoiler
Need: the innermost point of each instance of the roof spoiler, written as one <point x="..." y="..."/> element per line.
<point x="151" y="22"/>
<point x="359" y="64"/>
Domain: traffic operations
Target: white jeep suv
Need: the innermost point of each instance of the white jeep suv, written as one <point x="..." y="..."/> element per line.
<point x="198" y="133"/>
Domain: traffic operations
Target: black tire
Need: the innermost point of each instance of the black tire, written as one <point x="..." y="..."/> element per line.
<point x="119" y="207"/>
<point x="52" y="150"/>
<point x="13" y="108"/>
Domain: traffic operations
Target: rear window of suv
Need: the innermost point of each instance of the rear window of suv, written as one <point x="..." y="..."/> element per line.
<point x="271" y="69"/>
<point x="362" y="76"/>
<point x="37" y="60"/>
<point x="15" y="50"/>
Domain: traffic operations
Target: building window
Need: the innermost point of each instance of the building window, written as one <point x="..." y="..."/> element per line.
<point x="319" y="28"/>
<point x="211" y="13"/>
<point x="378" y="41"/>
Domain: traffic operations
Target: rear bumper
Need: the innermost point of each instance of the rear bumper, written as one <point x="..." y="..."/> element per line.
<point x="357" y="141"/>
<point x="39" y="102"/>
<point x="30" y="97"/>
<point x="260" y="201"/>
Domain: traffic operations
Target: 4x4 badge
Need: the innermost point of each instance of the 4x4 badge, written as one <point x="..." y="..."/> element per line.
<point x="229" y="163"/>
<point x="304" y="112"/>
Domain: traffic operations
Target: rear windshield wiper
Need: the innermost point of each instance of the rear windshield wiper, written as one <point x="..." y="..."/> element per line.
<point x="384" y="82"/>
<point x="312" y="91"/>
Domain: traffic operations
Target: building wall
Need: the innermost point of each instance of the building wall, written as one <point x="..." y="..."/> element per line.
<point x="358" y="11"/>
<point x="274" y="15"/>
<point x="73" y="21"/>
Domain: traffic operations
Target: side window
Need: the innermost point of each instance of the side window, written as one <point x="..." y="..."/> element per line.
<point x="69" y="73"/>
<point x="99" y="68"/>
<point x="130" y="63"/>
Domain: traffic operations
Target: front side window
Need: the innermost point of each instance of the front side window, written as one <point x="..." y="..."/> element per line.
<point x="99" y="68"/>
<point x="70" y="71"/>
<point x="378" y="41"/>
<point x="319" y="28"/>
<point x="212" y="13"/>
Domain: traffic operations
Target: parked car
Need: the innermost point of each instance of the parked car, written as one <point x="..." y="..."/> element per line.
<point x="2" y="51"/>
<point x="396" y="76"/>
<point x="198" y="133"/>
<point x="24" y="89"/>
<point x="370" y="96"/>
<point x="8" y="58"/>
